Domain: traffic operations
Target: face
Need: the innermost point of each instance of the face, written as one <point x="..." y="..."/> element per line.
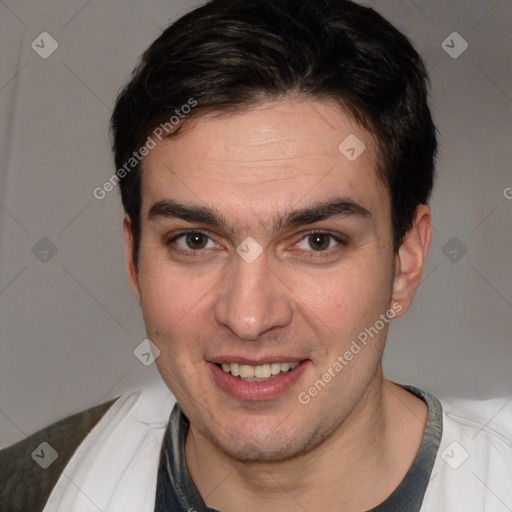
<point x="265" y="249"/>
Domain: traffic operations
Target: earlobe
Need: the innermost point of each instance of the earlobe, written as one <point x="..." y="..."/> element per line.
<point x="410" y="258"/>
<point x="130" y="267"/>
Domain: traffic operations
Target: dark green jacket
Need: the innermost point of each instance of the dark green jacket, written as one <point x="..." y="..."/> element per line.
<point x="24" y="485"/>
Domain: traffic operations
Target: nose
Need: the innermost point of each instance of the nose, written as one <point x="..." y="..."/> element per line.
<point x="253" y="300"/>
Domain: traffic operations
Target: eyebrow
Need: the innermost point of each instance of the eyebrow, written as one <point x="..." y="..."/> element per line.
<point x="334" y="208"/>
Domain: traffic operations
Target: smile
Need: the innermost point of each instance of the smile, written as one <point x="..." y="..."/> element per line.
<point x="264" y="381"/>
<point x="261" y="372"/>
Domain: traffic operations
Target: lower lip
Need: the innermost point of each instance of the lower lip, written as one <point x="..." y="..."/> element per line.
<point x="256" y="391"/>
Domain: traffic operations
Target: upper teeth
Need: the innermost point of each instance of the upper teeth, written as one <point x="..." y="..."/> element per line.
<point x="261" y="371"/>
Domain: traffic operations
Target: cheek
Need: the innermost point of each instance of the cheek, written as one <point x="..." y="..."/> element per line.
<point x="171" y="300"/>
<point x="344" y="301"/>
<point x="172" y="315"/>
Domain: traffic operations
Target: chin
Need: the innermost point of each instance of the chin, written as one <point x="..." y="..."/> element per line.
<point x="274" y="446"/>
<point x="263" y="453"/>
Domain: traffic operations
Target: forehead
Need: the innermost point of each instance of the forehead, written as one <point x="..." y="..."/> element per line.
<point x="273" y="155"/>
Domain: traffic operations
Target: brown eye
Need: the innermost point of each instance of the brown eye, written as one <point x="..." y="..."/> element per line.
<point x="191" y="242"/>
<point x="196" y="241"/>
<point x="320" y="244"/>
<point x="319" y="241"/>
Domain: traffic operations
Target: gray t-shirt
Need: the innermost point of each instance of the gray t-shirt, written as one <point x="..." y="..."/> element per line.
<point x="176" y="491"/>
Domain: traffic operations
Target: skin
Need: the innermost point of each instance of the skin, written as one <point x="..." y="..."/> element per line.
<point x="352" y="444"/>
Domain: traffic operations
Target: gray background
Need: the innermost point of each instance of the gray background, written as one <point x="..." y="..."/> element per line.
<point x="69" y="325"/>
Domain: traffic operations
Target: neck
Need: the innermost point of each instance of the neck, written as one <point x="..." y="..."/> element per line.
<point x="355" y="469"/>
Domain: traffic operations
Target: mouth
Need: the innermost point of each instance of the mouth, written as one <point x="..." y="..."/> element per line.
<point x="256" y="382"/>
<point x="259" y="373"/>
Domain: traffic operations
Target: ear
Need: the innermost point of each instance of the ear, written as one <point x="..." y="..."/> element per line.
<point x="410" y="259"/>
<point x="130" y="267"/>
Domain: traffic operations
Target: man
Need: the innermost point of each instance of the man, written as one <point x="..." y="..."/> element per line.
<point x="275" y="160"/>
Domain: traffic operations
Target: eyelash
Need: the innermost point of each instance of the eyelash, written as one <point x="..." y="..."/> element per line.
<point x="182" y="234"/>
<point x="197" y="253"/>
<point x="328" y="252"/>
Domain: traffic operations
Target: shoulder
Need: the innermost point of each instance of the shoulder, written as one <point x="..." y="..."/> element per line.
<point x="487" y="423"/>
<point x="473" y="468"/>
<point x="30" y="468"/>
